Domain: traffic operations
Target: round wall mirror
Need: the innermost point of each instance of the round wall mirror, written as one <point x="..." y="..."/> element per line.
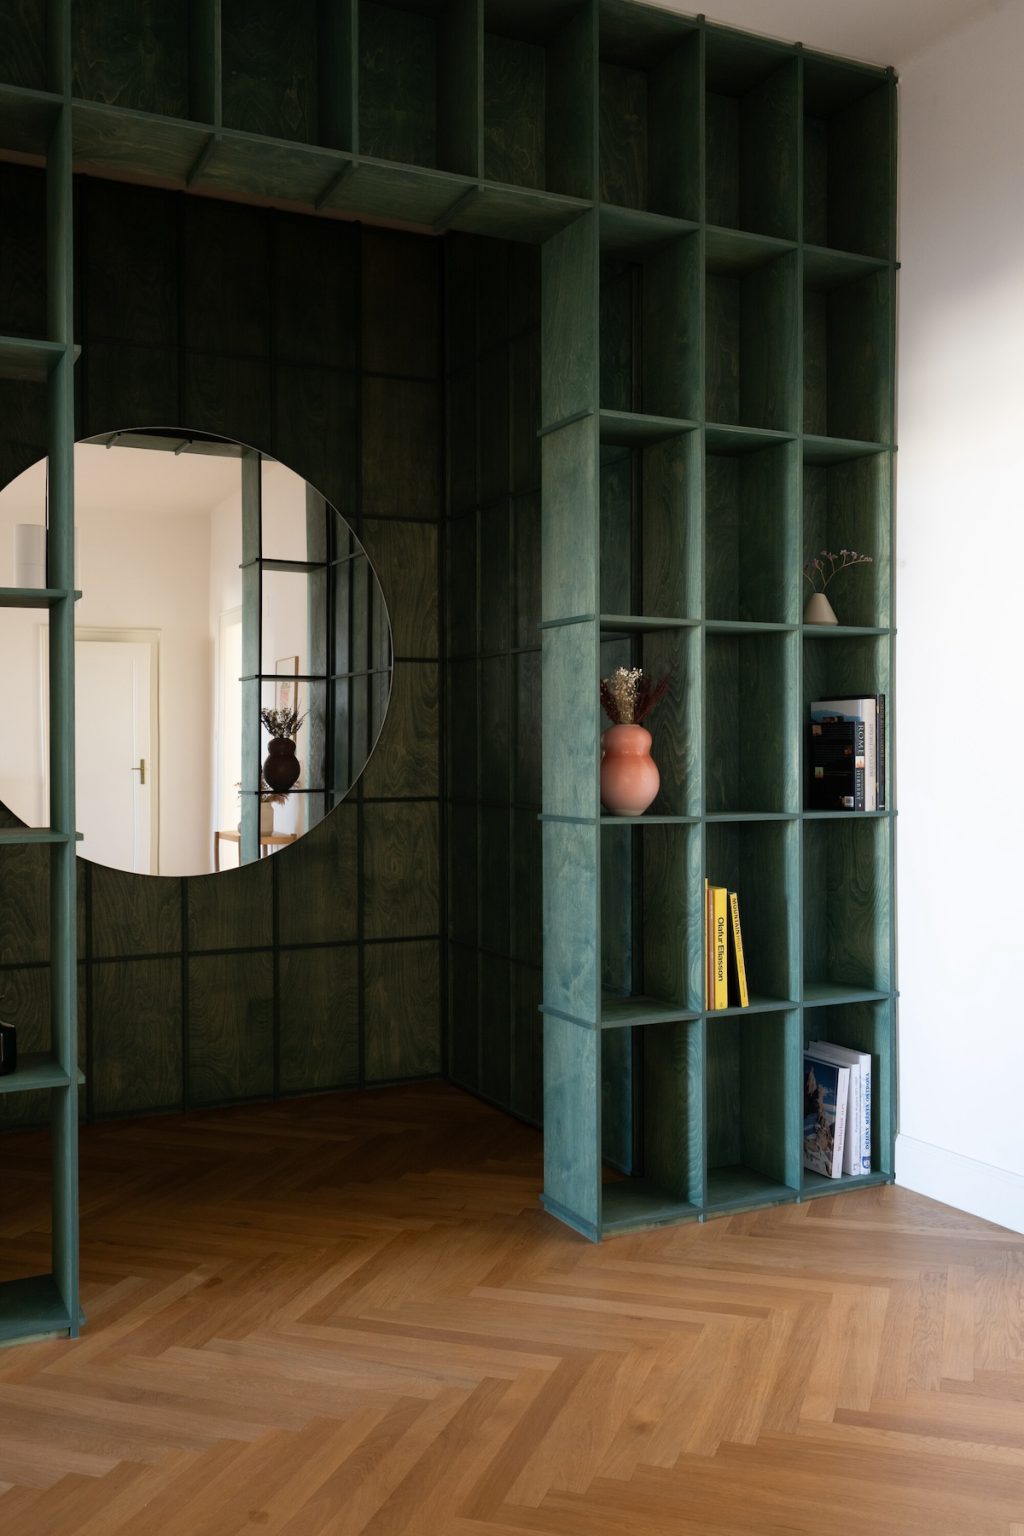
<point x="232" y="653"/>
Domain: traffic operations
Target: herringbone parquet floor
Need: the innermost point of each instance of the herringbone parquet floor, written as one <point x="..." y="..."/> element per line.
<point x="348" y="1315"/>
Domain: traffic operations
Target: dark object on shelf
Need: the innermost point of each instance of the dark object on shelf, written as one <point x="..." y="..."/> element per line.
<point x="8" y="1049"/>
<point x="281" y="766"/>
<point x="836" y="760"/>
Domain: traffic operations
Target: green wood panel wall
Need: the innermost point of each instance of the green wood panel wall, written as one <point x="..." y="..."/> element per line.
<point x="321" y="967"/>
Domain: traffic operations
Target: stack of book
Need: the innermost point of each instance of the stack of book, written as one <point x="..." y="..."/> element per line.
<point x="846" y="757"/>
<point x="725" y="970"/>
<point x="837" y="1110"/>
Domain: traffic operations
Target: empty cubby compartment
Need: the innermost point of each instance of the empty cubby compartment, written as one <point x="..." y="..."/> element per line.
<point x="848" y="157"/>
<point x="651" y="1132"/>
<point x="535" y="98"/>
<point x="848" y="359"/>
<point x="23" y="58"/>
<point x="650" y="528"/>
<point x="752" y="346"/>
<point x="752" y="133"/>
<point x="750" y="1108"/>
<point x="649" y="111"/>
<point x="751" y="558"/>
<point x="847" y="906"/>
<point x="758" y="860"/>
<point x="650" y="332"/>
<point x="417" y="83"/>
<point x="272" y="76"/>
<point x="136" y="53"/>
<point x="847" y="506"/>
<point x="651" y="920"/>
<point x="750" y="722"/>
<point x="861" y="1027"/>
<point x="23" y="252"/>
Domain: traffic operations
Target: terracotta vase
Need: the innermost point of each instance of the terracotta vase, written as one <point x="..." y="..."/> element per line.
<point x="819" y="610"/>
<point x="281" y="767"/>
<point x="629" y="775"/>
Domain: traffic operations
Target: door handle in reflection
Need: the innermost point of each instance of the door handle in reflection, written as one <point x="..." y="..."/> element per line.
<point x="141" y="770"/>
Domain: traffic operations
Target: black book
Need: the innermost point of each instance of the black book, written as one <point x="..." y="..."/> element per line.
<point x="836" y="763"/>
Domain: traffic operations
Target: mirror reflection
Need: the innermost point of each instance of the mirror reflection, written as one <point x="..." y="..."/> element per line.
<point x="232" y="653"/>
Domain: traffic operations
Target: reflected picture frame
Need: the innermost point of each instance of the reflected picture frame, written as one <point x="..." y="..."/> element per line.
<point x="287" y="669"/>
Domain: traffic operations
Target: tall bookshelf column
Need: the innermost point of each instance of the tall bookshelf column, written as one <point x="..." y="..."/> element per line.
<point x="570" y="671"/>
<point x="61" y="577"/>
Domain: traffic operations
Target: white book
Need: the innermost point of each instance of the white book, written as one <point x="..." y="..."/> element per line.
<point x="862" y="1061"/>
<point x="857" y="709"/>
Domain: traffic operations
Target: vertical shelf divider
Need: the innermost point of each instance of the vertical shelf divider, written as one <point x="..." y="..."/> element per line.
<point x="61" y="577"/>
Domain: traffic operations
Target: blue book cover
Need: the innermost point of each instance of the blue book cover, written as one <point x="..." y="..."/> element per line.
<point x="826" y="1091"/>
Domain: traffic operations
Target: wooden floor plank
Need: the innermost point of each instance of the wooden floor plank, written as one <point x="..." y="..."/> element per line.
<point x="347" y="1316"/>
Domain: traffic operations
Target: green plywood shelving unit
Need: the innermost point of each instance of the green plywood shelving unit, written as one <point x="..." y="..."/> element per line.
<point x="40" y="123"/>
<point x="764" y="316"/>
<point x="716" y="218"/>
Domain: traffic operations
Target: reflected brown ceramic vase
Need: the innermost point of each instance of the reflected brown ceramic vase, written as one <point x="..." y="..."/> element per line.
<point x="629" y="775"/>
<point x="281" y="767"/>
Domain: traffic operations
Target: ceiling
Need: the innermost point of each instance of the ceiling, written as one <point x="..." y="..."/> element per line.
<point x="879" y="31"/>
<point x="136" y="481"/>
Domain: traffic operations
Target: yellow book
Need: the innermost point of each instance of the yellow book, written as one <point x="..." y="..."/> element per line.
<point x="720" y="946"/>
<point x="707" y="943"/>
<point x="737" y="951"/>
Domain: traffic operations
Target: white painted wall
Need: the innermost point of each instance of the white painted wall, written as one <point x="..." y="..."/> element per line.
<point x="140" y="570"/>
<point x="960" y="545"/>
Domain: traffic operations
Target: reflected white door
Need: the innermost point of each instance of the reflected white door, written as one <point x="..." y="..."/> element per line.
<point x="115" y="752"/>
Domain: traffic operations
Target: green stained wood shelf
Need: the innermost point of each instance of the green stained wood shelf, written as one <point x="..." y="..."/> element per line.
<point x="823" y="994"/>
<point x="843" y="631"/>
<point x="635" y="233"/>
<point x="738" y="1187"/>
<point x="632" y="1204"/>
<point x="32" y="597"/>
<point x="816" y="1184"/>
<point x="722" y="437"/>
<point x="729" y="252"/>
<point x="28" y="360"/>
<point x="623" y="1012"/>
<point x="17" y="837"/>
<point x="629" y="429"/>
<point x="31" y="1308"/>
<point x="747" y="627"/>
<point x="825" y="269"/>
<point x="838" y="450"/>
<point x="757" y="1004"/>
<point x="36" y="1070"/>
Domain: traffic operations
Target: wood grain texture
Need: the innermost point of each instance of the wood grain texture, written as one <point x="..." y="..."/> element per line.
<point x="572" y="1087"/>
<point x="23" y="27"/>
<point x="757" y="860"/>
<point x="401" y="872"/>
<point x="132" y="916"/>
<point x="270" y="68"/>
<point x="753" y="554"/>
<point x="351" y="1312"/>
<point x="316" y="265"/>
<point x="325" y="861"/>
<point x="231" y="910"/>
<point x="750" y="754"/>
<point x="401" y="449"/>
<point x="136" y="1058"/>
<point x="319" y="1019"/>
<point x="623" y="136"/>
<point x="24" y="905"/>
<point x="748" y="1089"/>
<point x="405" y="760"/>
<point x="404" y="555"/>
<point x="130" y="265"/>
<point x="397" y="84"/>
<point x="847" y="903"/>
<point x="847" y="187"/>
<point x="514" y="111"/>
<point x="847" y="506"/>
<point x="25" y="1003"/>
<point x="230" y="1027"/>
<point x="571" y="963"/>
<point x="131" y="53"/>
<point x="569" y="333"/>
<point x="399" y="294"/>
<point x="494" y="878"/>
<point x="403" y="1033"/>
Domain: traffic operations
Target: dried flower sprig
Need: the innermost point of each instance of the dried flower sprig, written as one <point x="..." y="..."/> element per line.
<point x="629" y="695"/>
<point x="819" y="574"/>
<point x="268" y="796"/>
<point x="281" y="722"/>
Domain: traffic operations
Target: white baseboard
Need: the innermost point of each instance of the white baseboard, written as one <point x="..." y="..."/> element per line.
<point x="994" y="1194"/>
